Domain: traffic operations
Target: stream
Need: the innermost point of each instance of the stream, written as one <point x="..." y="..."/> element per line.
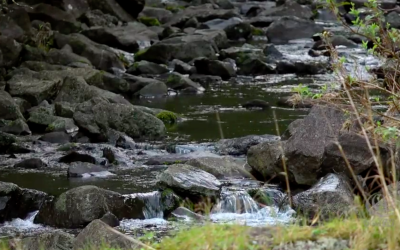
<point x="206" y="118"/>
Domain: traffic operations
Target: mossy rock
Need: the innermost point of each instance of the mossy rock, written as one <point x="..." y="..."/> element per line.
<point x="174" y="8"/>
<point x="139" y="54"/>
<point x="149" y="21"/>
<point x="167" y="117"/>
<point x="257" y="32"/>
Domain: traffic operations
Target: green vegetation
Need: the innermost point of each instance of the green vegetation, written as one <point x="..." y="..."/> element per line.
<point x="167" y="117"/>
<point x="67" y="147"/>
<point x="257" y="32"/>
<point x="174" y="8"/>
<point x="139" y="54"/>
<point x="149" y="21"/>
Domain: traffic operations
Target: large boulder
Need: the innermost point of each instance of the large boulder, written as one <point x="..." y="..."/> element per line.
<point x="126" y="10"/>
<point x="101" y="56"/>
<point x="10" y="51"/>
<point x="9" y="110"/>
<point x="240" y="146"/>
<point x="16" y="202"/>
<point x="76" y="90"/>
<point x="356" y="151"/>
<point x="162" y="15"/>
<point x="304" y="150"/>
<point x="290" y="28"/>
<point x="219" y="167"/>
<point x="49" y="241"/>
<point x="79" y="206"/>
<point x="185" y="48"/>
<point x="9" y="28"/>
<point x="98" y="18"/>
<point x="331" y="197"/>
<point x="214" y="67"/>
<point x="98" y="234"/>
<point x="189" y="181"/>
<point x="97" y="116"/>
<point x="6" y="141"/>
<point x="128" y="38"/>
<point x="266" y="158"/>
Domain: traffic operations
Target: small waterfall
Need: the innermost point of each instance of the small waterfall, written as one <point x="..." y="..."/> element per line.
<point x="153" y="206"/>
<point x="236" y="201"/>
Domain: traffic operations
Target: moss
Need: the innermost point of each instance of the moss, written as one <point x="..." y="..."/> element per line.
<point x="67" y="147"/>
<point x="61" y="203"/>
<point x="174" y="8"/>
<point x="50" y="128"/>
<point x="149" y="21"/>
<point x="139" y="54"/>
<point x="257" y="32"/>
<point x="167" y="117"/>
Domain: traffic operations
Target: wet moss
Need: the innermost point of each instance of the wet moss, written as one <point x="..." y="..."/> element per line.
<point x="61" y="203"/>
<point x="149" y="21"/>
<point x="139" y="54"/>
<point x="167" y="117"/>
<point x="257" y="32"/>
<point x="174" y="8"/>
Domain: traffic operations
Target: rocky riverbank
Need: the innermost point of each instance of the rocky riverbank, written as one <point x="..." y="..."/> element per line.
<point x="72" y="74"/>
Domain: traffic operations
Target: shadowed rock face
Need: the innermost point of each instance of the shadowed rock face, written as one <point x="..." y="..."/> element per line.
<point x="332" y="196"/>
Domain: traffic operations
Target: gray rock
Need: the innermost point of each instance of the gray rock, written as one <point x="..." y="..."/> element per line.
<point x="291" y="129"/>
<point x="266" y="158"/>
<point x="189" y="181"/>
<point x="110" y="219"/>
<point x="6" y="140"/>
<point x="240" y="146"/>
<point x="65" y="109"/>
<point x="96" y="116"/>
<point x="303" y="67"/>
<point x="214" y="67"/>
<point x="32" y="163"/>
<point x="162" y="15"/>
<point x="10" y="29"/>
<point x="219" y="167"/>
<point x="221" y="24"/>
<point x="393" y="18"/>
<point x="17" y="127"/>
<point x="81" y="169"/>
<point x="305" y="148"/>
<point x="294" y="28"/>
<point x="97" y="234"/>
<point x="10" y="51"/>
<point x="289" y="8"/>
<point x="101" y="56"/>
<point x="183" y="213"/>
<point x="127" y="38"/>
<point x="182" y="67"/>
<point x="144" y="67"/>
<point x="330" y="197"/>
<point x="124" y="10"/>
<point x="154" y="89"/>
<point x="98" y="18"/>
<point x="239" y="31"/>
<point x="79" y="206"/>
<point x="9" y="110"/>
<point x="383" y="208"/>
<point x="16" y="202"/>
<point x="56" y="137"/>
<point x="205" y="80"/>
<point x="177" y="81"/>
<point x="58" y="19"/>
<point x="49" y="241"/>
<point x="77" y="157"/>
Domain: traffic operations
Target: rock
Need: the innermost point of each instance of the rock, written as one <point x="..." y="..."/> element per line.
<point x="6" y="141"/>
<point x="162" y="15"/>
<point x="96" y="116"/>
<point x="16" y="202"/>
<point x="79" y="206"/>
<point x="331" y="196"/>
<point x="294" y="27"/>
<point x="177" y="81"/>
<point x="256" y="104"/>
<point x="124" y="10"/>
<point x="154" y="89"/>
<point x="206" y="80"/>
<point x="221" y="24"/>
<point x="240" y="146"/>
<point x="239" y="31"/>
<point x="127" y="38"/>
<point x="83" y="169"/>
<point x="144" y="67"/>
<point x="219" y="167"/>
<point x="10" y="29"/>
<point x="110" y="219"/>
<point x="29" y="85"/>
<point x="291" y="129"/>
<point x="182" y="67"/>
<point x="189" y="181"/>
<point x="291" y="102"/>
<point x="77" y="157"/>
<point x="98" y="18"/>
<point x="289" y="9"/>
<point x="337" y="40"/>
<point x="17" y="127"/>
<point x="183" y="213"/>
<point x="382" y="209"/>
<point x="303" y="67"/>
<point x="304" y="150"/>
<point x="10" y="51"/>
<point x="76" y="90"/>
<point x="320" y="243"/>
<point x="65" y="109"/>
<point x="32" y="163"/>
<point x="393" y="18"/>
<point x="185" y="48"/>
<point x="253" y="64"/>
<point x="101" y="56"/>
<point x="97" y="234"/>
<point x="58" y="19"/>
<point x="214" y="67"/>
<point x="357" y="152"/>
<point x="49" y="241"/>
<point x="266" y="158"/>
<point x="56" y="137"/>
<point x="9" y="110"/>
<point x="202" y="13"/>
